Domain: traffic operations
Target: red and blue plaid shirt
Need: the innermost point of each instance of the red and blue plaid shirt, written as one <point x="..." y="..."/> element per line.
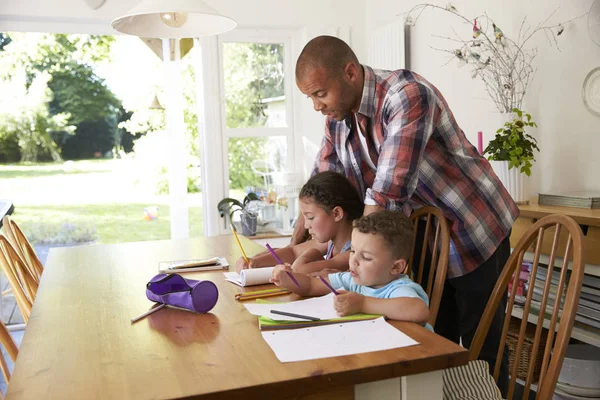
<point x="422" y="157"/>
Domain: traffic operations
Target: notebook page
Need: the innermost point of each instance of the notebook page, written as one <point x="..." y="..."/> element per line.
<point x="335" y="340"/>
<point x="250" y="277"/>
<point x="318" y="307"/>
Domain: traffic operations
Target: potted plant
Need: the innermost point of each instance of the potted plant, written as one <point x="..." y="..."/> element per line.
<point x="248" y="208"/>
<point x="513" y="151"/>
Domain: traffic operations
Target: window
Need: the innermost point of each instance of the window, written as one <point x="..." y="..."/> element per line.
<point x="256" y="109"/>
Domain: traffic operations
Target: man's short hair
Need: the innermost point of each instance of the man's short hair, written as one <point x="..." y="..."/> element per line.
<point x="394" y="227"/>
<point x="326" y="52"/>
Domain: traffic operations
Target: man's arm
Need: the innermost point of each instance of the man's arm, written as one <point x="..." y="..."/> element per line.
<point x="409" y="124"/>
<point x="371" y="209"/>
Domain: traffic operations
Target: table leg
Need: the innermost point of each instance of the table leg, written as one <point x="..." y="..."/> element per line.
<point x="427" y="386"/>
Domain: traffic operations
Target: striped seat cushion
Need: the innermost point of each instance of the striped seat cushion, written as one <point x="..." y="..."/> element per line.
<point x="470" y="382"/>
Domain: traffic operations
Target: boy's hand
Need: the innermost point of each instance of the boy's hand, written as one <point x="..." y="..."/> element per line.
<point x="280" y="276"/>
<point x="348" y="303"/>
<point x="324" y="272"/>
<point x="241" y="264"/>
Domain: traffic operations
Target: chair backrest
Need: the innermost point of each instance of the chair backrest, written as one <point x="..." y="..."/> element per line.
<point x="11" y="349"/>
<point x="557" y="319"/>
<point x="20" y="278"/>
<point x="437" y="233"/>
<point x="23" y="247"/>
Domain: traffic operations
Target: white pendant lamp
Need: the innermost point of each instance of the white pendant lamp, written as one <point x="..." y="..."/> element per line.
<point x="173" y="19"/>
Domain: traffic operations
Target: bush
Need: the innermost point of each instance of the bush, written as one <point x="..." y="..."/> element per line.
<point x="62" y="233"/>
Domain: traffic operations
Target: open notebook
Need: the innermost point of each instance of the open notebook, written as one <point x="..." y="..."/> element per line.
<point x="250" y="277"/>
<point x="319" y="307"/>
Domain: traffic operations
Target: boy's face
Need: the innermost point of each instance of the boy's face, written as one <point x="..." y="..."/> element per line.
<point x="320" y="224"/>
<point x="371" y="260"/>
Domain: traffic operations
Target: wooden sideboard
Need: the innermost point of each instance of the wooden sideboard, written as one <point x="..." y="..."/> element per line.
<point x="589" y="220"/>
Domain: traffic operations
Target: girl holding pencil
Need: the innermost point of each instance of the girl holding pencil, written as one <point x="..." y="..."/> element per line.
<point x="329" y="204"/>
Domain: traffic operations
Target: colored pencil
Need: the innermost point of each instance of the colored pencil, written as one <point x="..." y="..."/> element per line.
<point x="260" y="296"/>
<point x="151" y="311"/>
<point x="328" y="285"/>
<point x="281" y="262"/>
<point x="289" y="314"/>
<point x="239" y="244"/>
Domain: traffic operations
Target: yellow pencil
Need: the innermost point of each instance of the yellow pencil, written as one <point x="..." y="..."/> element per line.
<point x="239" y="244"/>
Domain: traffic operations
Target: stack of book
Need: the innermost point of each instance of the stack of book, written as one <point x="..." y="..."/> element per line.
<point x="571" y="199"/>
<point x="588" y="311"/>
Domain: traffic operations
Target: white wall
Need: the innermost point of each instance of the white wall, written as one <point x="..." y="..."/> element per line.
<point x="568" y="135"/>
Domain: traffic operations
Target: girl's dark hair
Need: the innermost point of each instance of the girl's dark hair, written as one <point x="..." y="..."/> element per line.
<point x="331" y="189"/>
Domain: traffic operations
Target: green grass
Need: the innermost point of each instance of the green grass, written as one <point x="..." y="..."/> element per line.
<point x="99" y="197"/>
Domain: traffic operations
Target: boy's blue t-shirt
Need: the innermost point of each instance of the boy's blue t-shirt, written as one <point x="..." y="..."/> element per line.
<point x="401" y="287"/>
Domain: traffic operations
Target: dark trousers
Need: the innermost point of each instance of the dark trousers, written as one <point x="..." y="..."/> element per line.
<point x="463" y="301"/>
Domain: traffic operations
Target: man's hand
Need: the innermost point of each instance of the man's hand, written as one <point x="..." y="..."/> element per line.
<point x="300" y="234"/>
<point x="371" y="209"/>
<point x="348" y="303"/>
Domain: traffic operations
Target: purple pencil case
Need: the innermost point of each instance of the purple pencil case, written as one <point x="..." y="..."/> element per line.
<point x="175" y="290"/>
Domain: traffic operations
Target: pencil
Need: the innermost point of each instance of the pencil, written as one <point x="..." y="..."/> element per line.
<point x="151" y="311"/>
<point x="280" y="262"/>
<point x="289" y="314"/>
<point x="329" y="286"/>
<point x="239" y="244"/>
<point x="260" y="296"/>
<point x="263" y="291"/>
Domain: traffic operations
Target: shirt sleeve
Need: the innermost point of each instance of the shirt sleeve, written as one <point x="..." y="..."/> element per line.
<point x="409" y="122"/>
<point x="339" y="280"/>
<point x="327" y="158"/>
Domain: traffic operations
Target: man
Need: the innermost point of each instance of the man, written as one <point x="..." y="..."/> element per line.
<point x="394" y="136"/>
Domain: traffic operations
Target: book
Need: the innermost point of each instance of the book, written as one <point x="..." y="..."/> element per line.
<point x="319" y="307"/>
<point x="181" y="266"/>
<point x="250" y="277"/>
<point x="589" y="200"/>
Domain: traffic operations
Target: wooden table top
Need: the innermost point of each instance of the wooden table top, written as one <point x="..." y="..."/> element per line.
<point x="80" y="344"/>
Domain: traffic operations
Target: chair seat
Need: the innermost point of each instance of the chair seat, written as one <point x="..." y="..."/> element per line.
<point x="470" y="382"/>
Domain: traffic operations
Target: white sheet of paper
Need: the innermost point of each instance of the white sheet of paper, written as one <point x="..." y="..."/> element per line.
<point x="250" y="277"/>
<point x="335" y="340"/>
<point x="318" y="307"/>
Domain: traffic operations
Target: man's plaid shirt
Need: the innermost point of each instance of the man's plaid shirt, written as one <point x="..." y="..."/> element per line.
<point x="422" y="157"/>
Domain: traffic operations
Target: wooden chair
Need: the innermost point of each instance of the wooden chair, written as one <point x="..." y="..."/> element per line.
<point x="23" y="247"/>
<point x="567" y="242"/>
<point x="437" y="228"/>
<point x="11" y="349"/>
<point x="20" y="278"/>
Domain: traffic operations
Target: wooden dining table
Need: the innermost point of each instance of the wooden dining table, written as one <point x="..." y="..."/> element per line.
<point x="80" y="343"/>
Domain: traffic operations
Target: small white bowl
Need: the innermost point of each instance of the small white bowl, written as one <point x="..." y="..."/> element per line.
<point x="581" y="366"/>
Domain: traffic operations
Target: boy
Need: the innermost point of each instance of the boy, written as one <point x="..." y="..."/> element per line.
<point x="375" y="284"/>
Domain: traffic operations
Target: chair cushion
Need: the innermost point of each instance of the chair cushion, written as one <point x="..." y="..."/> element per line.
<point x="470" y="382"/>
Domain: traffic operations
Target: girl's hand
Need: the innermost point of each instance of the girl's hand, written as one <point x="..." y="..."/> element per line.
<point x="280" y="275"/>
<point x="348" y="303"/>
<point x="241" y="264"/>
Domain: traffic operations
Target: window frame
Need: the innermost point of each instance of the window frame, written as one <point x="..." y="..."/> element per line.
<point x="285" y="37"/>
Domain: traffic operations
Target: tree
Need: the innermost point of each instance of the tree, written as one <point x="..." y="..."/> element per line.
<point x="77" y="92"/>
<point x="25" y="120"/>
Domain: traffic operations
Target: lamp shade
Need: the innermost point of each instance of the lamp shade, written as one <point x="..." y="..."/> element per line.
<point x="173" y="19"/>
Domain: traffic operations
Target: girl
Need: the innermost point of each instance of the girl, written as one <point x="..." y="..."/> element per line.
<point x="329" y="204"/>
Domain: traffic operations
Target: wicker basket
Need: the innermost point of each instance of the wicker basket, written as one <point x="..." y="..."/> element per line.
<point x="524" y="361"/>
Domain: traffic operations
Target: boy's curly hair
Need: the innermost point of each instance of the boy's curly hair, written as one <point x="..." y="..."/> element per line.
<point x="331" y="189"/>
<point x="394" y="227"/>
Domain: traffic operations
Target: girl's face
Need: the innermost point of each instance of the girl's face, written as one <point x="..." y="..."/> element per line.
<point x="320" y="223"/>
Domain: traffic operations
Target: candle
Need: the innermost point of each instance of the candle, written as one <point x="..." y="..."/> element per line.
<point x="480" y="142"/>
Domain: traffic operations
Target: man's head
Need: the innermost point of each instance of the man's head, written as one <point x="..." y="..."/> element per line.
<point x="329" y="73"/>
<point x="381" y="246"/>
